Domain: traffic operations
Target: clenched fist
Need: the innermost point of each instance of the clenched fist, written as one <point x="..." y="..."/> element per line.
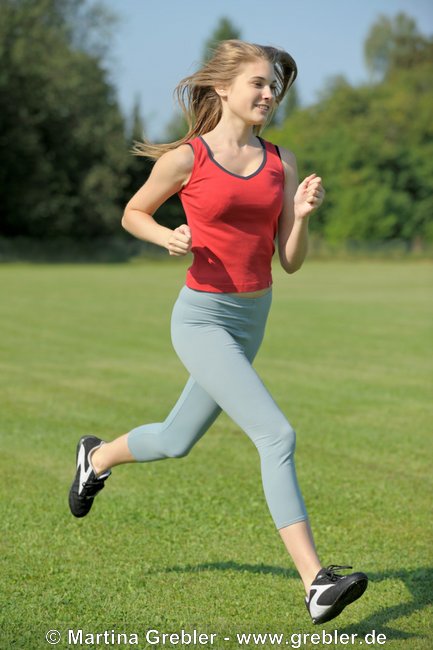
<point x="309" y="196"/>
<point x="180" y="241"/>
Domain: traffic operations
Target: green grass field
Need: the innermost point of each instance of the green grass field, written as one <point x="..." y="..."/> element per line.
<point x="189" y="543"/>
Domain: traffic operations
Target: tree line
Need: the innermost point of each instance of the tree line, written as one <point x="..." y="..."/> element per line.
<point x="373" y="144"/>
<point x="66" y="170"/>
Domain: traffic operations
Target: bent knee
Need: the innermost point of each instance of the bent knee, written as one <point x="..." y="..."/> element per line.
<point x="284" y="438"/>
<point x="177" y="451"/>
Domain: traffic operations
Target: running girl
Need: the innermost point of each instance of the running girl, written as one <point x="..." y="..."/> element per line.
<point x="239" y="193"/>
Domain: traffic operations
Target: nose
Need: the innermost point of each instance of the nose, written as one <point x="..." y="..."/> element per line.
<point x="268" y="93"/>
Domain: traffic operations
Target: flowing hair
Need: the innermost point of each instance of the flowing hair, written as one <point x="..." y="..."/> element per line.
<point x="199" y="101"/>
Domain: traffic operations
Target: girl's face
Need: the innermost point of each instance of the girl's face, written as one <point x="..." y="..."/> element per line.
<point x="251" y="95"/>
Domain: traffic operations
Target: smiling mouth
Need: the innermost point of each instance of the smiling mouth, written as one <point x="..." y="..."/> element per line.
<point x="263" y="107"/>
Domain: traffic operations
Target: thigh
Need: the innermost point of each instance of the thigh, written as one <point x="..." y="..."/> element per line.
<point x="219" y="364"/>
<point x="189" y="419"/>
<point x="194" y="412"/>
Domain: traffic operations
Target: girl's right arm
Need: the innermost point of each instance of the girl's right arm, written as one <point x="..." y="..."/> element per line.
<point x="169" y="174"/>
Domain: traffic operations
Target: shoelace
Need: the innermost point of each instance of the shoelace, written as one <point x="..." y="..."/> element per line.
<point x="92" y="486"/>
<point x="332" y="568"/>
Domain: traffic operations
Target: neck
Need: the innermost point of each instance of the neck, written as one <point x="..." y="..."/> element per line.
<point x="233" y="131"/>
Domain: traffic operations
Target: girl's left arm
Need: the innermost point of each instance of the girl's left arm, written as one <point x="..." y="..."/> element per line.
<point x="299" y="203"/>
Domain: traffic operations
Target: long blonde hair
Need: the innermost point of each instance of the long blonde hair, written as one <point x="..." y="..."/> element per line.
<point x="199" y="101"/>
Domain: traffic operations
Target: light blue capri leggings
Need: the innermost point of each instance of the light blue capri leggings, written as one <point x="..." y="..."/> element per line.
<point x="217" y="337"/>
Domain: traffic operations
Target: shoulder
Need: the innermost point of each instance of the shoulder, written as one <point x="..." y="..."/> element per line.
<point x="287" y="156"/>
<point x="177" y="162"/>
<point x="181" y="158"/>
<point x="288" y="160"/>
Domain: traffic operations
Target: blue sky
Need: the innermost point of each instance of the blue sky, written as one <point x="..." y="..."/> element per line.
<point x="156" y="43"/>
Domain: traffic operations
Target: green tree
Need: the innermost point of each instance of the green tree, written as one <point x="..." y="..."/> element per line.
<point x="373" y="146"/>
<point x="138" y="168"/>
<point x="394" y="44"/>
<point x="63" y="152"/>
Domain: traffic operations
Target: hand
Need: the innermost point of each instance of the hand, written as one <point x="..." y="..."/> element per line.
<point x="309" y="196"/>
<point x="180" y="241"/>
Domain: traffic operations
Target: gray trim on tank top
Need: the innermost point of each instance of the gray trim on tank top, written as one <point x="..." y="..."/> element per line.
<point x="245" y="178"/>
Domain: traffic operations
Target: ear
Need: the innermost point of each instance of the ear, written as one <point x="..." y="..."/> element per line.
<point x="221" y="91"/>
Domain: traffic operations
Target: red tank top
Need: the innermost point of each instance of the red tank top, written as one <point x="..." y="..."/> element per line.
<point x="233" y="221"/>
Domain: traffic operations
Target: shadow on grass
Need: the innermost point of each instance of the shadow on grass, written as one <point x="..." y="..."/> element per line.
<point x="417" y="581"/>
<point x="229" y="566"/>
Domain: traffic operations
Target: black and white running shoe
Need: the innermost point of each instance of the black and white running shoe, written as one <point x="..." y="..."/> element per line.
<point x="330" y="592"/>
<point x="86" y="484"/>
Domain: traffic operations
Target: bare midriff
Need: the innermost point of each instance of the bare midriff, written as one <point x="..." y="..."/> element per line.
<point x="251" y="294"/>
